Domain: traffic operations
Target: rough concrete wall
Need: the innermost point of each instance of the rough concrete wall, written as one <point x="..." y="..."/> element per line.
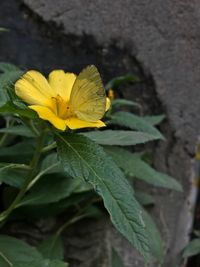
<point x="164" y="38"/>
<point x="163" y="35"/>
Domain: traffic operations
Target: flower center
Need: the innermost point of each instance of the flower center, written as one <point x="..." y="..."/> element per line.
<point x="61" y="108"/>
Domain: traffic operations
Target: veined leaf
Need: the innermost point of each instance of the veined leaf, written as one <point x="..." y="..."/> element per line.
<point x="49" y="189"/>
<point x="84" y="159"/>
<point x="154" y="120"/>
<point x="193" y="248"/>
<point x="155" y="241"/>
<point x="12" y="250"/>
<point x="52" y="248"/>
<point x="134" y="122"/>
<point x="119" y="138"/>
<point x="135" y="166"/>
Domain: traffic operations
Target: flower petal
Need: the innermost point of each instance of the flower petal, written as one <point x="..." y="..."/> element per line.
<point x="62" y="83"/>
<point x="34" y="89"/>
<point x="75" y="123"/>
<point x="46" y="114"/>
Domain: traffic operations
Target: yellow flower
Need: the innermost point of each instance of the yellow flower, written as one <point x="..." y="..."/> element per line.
<point x="65" y="100"/>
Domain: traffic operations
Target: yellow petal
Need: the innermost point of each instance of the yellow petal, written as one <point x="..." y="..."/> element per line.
<point x="46" y="114"/>
<point x="62" y="83"/>
<point x="108" y="103"/>
<point x="75" y="123"/>
<point x="34" y="89"/>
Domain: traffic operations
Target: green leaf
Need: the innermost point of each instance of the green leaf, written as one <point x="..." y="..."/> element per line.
<point x="155" y="241"/>
<point x="52" y="209"/>
<point x="121" y="80"/>
<point x="8" y="78"/>
<point x="49" y="189"/>
<point x="18" y="130"/>
<point x="129" y="120"/>
<point x="10" y="108"/>
<point x="2" y="29"/>
<point x="50" y="164"/>
<point x="154" y="120"/>
<point x="84" y="159"/>
<point x="116" y="259"/>
<point x="119" y="138"/>
<point x="134" y="166"/>
<point x="52" y="248"/>
<point x="42" y="263"/>
<point x="193" y="248"/>
<point x="11" y="174"/>
<point x="116" y="103"/>
<point x="144" y="198"/>
<point x="6" y="67"/>
<point x="12" y="250"/>
<point x="22" y="151"/>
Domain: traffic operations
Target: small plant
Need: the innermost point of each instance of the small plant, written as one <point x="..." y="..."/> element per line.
<point x="55" y="163"/>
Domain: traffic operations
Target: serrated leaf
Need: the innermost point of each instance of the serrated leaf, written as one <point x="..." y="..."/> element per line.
<point x="9" y="108"/>
<point x="144" y="198"/>
<point x="155" y="240"/>
<point x="84" y="159"/>
<point x="129" y="120"/>
<point x="116" y="259"/>
<point x="18" y="130"/>
<point x="49" y="189"/>
<point x="135" y="166"/>
<point x="12" y="250"/>
<point x="42" y="263"/>
<point x="193" y="248"/>
<point x="52" y="248"/>
<point x="119" y="138"/>
<point x="154" y="120"/>
<point x="116" y="103"/>
<point x="121" y="80"/>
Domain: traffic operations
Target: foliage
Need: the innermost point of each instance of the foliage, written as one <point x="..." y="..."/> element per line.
<point x="44" y="172"/>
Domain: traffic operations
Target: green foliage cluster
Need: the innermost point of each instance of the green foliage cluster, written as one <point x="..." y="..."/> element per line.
<point x="44" y="173"/>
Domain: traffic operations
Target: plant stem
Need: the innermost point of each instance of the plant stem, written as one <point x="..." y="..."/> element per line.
<point x="49" y="147"/>
<point x="33" y="165"/>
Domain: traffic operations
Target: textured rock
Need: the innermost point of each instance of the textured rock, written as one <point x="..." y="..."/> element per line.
<point x="158" y="40"/>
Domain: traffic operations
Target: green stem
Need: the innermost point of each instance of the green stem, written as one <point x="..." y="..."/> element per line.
<point x="33" y="165"/>
<point x="49" y="147"/>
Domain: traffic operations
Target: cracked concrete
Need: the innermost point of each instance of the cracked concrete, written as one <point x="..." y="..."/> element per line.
<point x="159" y="41"/>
